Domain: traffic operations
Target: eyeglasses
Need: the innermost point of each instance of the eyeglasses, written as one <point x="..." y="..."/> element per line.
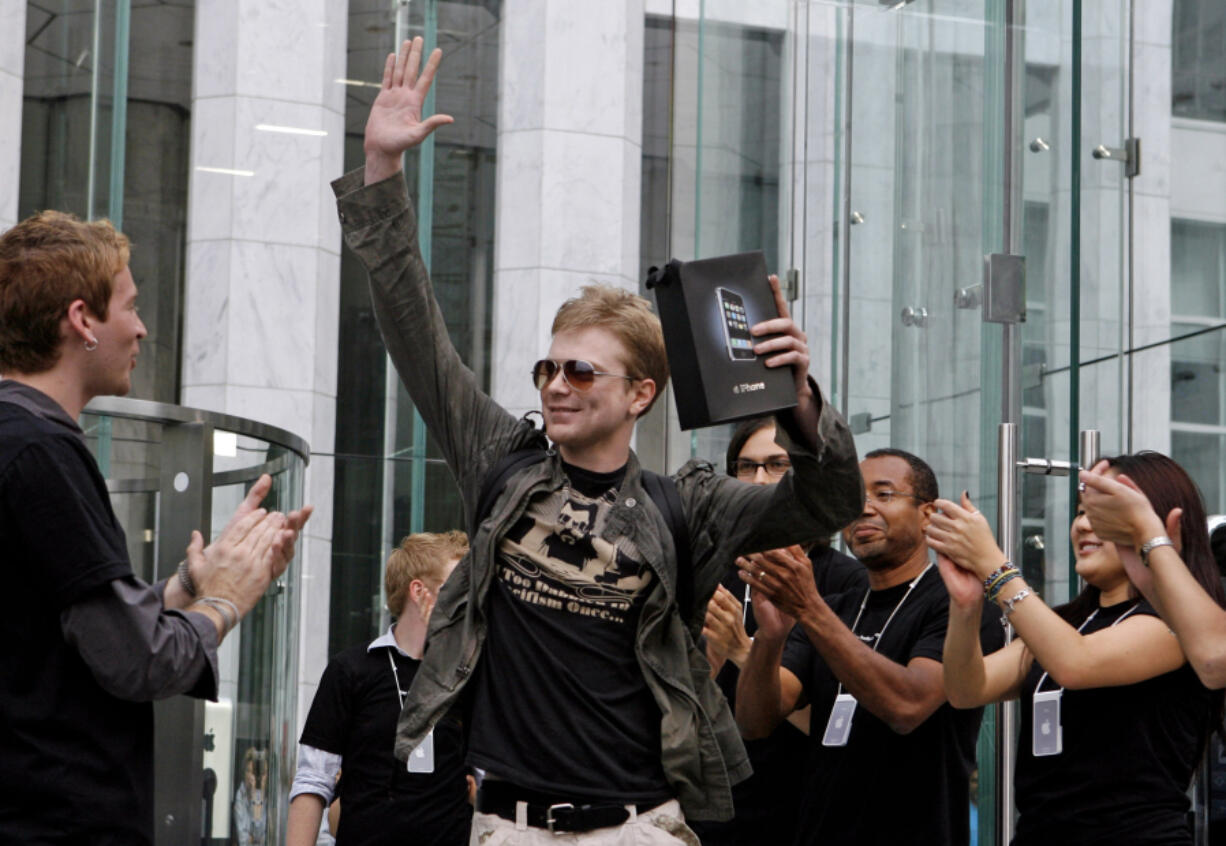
<point x="743" y="468"/>
<point x="579" y="374"/>
<point x="884" y="496"/>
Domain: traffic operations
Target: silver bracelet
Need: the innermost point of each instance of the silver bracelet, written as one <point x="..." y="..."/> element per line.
<point x="1152" y="544"/>
<point x="185" y="579"/>
<point x="227" y="609"/>
<point x="1012" y="601"/>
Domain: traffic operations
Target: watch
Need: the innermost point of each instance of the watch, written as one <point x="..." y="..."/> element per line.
<point x="1152" y="544"/>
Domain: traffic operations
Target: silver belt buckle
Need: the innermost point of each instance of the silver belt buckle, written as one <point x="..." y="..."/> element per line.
<point x="549" y="820"/>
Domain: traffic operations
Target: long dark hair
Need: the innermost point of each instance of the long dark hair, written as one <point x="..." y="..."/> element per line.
<point x="745" y="430"/>
<point x="1167" y="486"/>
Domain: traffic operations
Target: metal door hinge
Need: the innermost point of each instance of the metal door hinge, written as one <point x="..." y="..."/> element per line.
<point x="791" y="284"/>
<point x="1004" y="288"/>
<point x="1129" y="155"/>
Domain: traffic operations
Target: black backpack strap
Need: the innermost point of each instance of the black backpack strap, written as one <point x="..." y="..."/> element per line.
<point x="663" y="492"/>
<point x="496" y="479"/>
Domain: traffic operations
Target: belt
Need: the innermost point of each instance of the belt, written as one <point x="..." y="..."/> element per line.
<point x="554" y="813"/>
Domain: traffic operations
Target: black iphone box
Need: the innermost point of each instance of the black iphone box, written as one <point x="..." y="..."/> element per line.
<point x="707" y="307"/>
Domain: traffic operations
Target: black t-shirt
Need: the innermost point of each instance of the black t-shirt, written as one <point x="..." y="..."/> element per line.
<point x="767" y="803"/>
<point x="76" y="764"/>
<point x="884" y="787"/>
<point x="560" y="704"/>
<point x="1129" y="753"/>
<point x="354" y="715"/>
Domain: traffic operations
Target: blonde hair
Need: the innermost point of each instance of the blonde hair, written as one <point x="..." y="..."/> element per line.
<point x="630" y="319"/>
<point x="46" y="262"/>
<point x="422" y="556"/>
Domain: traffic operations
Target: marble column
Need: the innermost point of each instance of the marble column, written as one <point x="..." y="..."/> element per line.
<point x="569" y="170"/>
<point x="12" y="67"/>
<point x="263" y="246"/>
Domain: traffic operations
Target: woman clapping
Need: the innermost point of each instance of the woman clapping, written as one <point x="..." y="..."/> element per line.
<point x="1113" y="720"/>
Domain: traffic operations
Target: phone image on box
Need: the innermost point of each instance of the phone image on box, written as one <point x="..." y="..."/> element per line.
<point x="736" y="325"/>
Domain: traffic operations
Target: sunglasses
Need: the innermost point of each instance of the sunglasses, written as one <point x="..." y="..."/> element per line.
<point x="579" y="374"/>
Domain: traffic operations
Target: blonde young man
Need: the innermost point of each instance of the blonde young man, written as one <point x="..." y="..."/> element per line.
<point x="85" y="646"/>
<point x="591" y="709"/>
<point x="352" y="724"/>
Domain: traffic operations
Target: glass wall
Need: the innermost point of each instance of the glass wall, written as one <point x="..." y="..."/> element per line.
<point x="1198" y="310"/>
<point x="712" y="132"/>
<point x="916" y="138"/>
<point x="389" y="480"/>
<point x="105" y="128"/>
<point x="1198" y="85"/>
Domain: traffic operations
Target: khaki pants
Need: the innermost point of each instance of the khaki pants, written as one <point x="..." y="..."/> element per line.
<point x="663" y="825"/>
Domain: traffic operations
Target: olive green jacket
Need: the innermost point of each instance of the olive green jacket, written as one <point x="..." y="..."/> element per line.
<point x="701" y="750"/>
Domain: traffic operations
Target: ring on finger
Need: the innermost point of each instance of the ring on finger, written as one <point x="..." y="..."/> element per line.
<point x="761" y="575"/>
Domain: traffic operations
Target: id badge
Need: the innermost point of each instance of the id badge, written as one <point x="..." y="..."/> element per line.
<point x="421" y="759"/>
<point x="1048" y="734"/>
<point x="838" y="727"/>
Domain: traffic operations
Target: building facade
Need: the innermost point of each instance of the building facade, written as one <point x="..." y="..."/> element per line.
<point x="875" y="150"/>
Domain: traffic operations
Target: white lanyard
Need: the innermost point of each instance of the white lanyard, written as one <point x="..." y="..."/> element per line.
<point x="864" y="603"/>
<point x="1080" y="629"/>
<point x="1047" y="728"/>
<point x="421" y="759"/>
<point x="400" y="692"/>
<point x="838" y="725"/>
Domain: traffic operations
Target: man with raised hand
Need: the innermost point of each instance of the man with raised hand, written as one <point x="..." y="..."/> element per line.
<point x="590" y="708"/>
<point x="85" y="646"/>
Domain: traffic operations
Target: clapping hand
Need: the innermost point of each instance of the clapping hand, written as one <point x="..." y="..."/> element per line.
<point x="962" y="534"/>
<point x="724" y="629"/>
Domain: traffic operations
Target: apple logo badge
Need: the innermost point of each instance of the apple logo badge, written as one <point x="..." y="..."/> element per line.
<point x="1046" y="727"/>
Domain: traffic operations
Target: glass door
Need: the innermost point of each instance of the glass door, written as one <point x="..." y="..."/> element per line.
<point x="912" y="117"/>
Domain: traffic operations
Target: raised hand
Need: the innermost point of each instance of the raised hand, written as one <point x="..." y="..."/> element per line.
<point x="1119" y="512"/>
<point x="965" y="588"/>
<point x="253" y="549"/>
<point x="772" y="623"/>
<point x="784" y="576"/>
<point x="724" y="629"/>
<point x="962" y="534"/>
<point x="281" y="553"/>
<point x="396" y="123"/>
<point x="237" y="566"/>
<point x="790" y="348"/>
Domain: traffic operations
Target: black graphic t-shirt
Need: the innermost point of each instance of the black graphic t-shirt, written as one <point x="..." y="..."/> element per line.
<point x="560" y="704"/>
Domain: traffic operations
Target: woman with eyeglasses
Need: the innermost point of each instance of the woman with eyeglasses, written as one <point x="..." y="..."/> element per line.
<point x="766" y="804"/>
<point x="1113" y="719"/>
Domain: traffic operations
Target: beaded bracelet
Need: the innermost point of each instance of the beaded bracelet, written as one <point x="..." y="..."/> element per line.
<point x="996" y="574"/>
<point x="994" y="594"/>
<point x="185" y="579"/>
<point x="999" y="584"/>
